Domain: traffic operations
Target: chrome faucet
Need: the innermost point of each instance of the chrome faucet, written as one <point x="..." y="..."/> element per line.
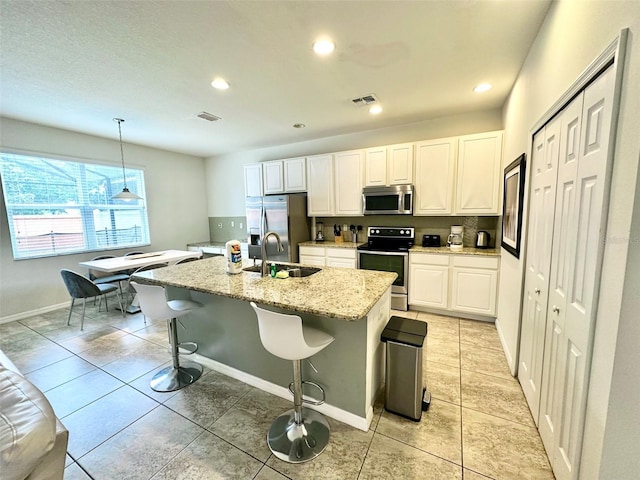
<point x="263" y="251"/>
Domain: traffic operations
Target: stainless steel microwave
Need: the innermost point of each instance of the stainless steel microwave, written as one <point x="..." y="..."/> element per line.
<point x="392" y="200"/>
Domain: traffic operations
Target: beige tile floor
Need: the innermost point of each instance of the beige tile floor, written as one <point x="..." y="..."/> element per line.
<point x="478" y="425"/>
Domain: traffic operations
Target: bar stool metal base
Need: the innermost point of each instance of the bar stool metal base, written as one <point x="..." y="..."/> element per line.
<point x="170" y="379"/>
<point x="295" y="443"/>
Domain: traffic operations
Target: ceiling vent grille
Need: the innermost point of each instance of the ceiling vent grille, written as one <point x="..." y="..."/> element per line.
<point x="208" y="116"/>
<point x="365" y="100"/>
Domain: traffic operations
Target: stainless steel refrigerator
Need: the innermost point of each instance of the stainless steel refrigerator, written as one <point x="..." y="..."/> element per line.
<point x="284" y="214"/>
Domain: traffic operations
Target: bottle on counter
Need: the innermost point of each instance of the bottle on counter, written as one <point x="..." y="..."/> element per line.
<point x="234" y="256"/>
<point x="273" y="270"/>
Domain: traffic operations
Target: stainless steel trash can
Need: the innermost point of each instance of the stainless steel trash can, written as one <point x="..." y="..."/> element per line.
<point x="405" y="393"/>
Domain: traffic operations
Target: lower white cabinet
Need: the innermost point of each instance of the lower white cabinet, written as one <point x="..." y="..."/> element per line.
<point x="328" y="256"/>
<point x="458" y="283"/>
<point x="474" y="284"/>
<point x="341" y="257"/>
<point x="429" y="280"/>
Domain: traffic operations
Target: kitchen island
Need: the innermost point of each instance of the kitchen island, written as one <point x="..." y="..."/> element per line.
<point x="351" y="305"/>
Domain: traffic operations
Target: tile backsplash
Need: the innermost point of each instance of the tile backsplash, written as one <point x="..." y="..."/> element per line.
<point x="423" y="225"/>
<point x="222" y="229"/>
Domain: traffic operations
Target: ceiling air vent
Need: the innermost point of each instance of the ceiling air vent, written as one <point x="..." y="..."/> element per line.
<point x="366" y="100"/>
<point x="208" y="116"/>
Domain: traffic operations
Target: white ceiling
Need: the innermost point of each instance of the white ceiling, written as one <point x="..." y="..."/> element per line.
<point x="77" y="64"/>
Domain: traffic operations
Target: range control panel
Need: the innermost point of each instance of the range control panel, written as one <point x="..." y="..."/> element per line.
<point x="391" y="232"/>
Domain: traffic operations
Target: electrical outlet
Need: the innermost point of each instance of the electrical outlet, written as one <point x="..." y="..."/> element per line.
<point x="241" y="227"/>
<point x="220" y="225"/>
<point x="232" y="223"/>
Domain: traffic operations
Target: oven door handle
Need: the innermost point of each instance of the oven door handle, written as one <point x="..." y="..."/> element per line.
<point x="397" y="254"/>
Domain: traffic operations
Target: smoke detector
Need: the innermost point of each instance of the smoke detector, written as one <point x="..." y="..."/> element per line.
<point x="208" y="116"/>
<point x="364" y="100"/>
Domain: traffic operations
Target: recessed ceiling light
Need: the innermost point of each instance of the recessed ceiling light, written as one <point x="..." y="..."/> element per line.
<point x="483" y="87"/>
<point x="375" y="110"/>
<point x="299" y="125"/>
<point x="220" y="84"/>
<point x="323" y="47"/>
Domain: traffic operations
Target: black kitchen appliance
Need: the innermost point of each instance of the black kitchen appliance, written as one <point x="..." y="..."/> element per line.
<point x="387" y="250"/>
<point x="431" y="240"/>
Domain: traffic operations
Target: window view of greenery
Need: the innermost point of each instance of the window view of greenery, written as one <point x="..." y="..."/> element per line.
<point x="59" y="207"/>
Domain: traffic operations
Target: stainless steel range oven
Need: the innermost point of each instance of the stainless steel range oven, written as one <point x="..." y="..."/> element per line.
<point x="387" y="250"/>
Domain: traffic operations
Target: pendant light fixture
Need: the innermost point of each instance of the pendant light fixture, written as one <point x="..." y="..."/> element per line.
<point x="125" y="194"/>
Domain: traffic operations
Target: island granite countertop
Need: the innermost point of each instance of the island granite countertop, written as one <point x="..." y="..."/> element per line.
<point x="332" y="292"/>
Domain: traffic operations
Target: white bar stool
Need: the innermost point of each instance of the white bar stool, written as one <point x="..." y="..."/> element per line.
<point x="154" y="305"/>
<point x="301" y="434"/>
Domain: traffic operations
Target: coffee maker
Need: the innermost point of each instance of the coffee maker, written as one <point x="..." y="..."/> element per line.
<point x="454" y="240"/>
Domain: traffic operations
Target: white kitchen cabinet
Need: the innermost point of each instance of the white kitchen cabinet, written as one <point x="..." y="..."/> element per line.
<point x="329" y="256"/>
<point x="375" y="171"/>
<point x="456" y="283"/>
<point x="474" y="284"/>
<point x="400" y="163"/>
<point x="253" y="180"/>
<point x="390" y="165"/>
<point x="340" y="257"/>
<point x="349" y="179"/>
<point x="311" y="255"/>
<point x="429" y="280"/>
<point x="478" y="184"/>
<point x="435" y="177"/>
<point x="295" y="175"/>
<point x="320" y="196"/>
<point x="273" y="177"/>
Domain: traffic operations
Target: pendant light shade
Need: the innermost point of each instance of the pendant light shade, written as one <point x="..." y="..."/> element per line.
<point x="125" y="194"/>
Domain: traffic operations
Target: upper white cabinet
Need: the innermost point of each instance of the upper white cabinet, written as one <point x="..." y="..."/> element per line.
<point x="320" y="200"/>
<point x="253" y="180"/>
<point x="435" y="177"/>
<point x="459" y="175"/>
<point x="478" y="184"/>
<point x="295" y="175"/>
<point x="390" y="165"/>
<point x="348" y="177"/>
<point x="273" y="177"/>
<point x="284" y="176"/>
<point x="400" y="163"/>
<point x="375" y="167"/>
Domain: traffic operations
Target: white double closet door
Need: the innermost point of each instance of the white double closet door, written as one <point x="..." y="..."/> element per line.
<point x="569" y="199"/>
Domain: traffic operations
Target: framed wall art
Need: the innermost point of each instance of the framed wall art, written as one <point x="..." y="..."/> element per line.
<point x="513" y="188"/>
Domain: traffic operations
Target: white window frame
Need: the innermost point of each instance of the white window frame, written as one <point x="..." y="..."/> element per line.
<point x="91" y="220"/>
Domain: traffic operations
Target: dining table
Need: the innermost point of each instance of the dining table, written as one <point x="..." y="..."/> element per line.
<point x="132" y="262"/>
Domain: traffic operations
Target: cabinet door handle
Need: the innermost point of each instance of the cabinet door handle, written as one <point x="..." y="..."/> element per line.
<point x="537" y="290"/>
<point x="555" y="309"/>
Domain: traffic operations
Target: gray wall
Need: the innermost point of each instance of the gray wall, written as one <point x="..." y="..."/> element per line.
<point x="176" y="203"/>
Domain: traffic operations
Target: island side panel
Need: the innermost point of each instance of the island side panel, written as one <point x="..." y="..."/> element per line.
<point x="226" y="331"/>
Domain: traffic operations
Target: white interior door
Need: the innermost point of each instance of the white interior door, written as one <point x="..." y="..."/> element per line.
<point x="583" y="260"/>
<point x="563" y="244"/>
<point x="538" y="261"/>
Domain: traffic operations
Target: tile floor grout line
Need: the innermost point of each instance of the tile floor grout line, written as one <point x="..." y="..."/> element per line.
<point x="420" y="449"/>
<point x="461" y="417"/>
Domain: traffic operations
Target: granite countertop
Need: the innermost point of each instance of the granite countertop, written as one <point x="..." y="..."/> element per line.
<point x="313" y="243"/>
<point x="332" y="292"/>
<point x="484" y="252"/>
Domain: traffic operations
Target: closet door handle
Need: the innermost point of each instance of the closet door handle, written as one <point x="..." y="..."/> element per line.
<point x="555" y="309"/>
<point x="537" y="290"/>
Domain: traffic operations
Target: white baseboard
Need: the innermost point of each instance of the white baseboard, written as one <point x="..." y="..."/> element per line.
<point x="510" y="360"/>
<point x="329" y="410"/>
<point x="31" y="313"/>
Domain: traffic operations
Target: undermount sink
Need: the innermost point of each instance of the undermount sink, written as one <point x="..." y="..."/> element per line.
<point x="293" y="271"/>
<point x="302" y="271"/>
